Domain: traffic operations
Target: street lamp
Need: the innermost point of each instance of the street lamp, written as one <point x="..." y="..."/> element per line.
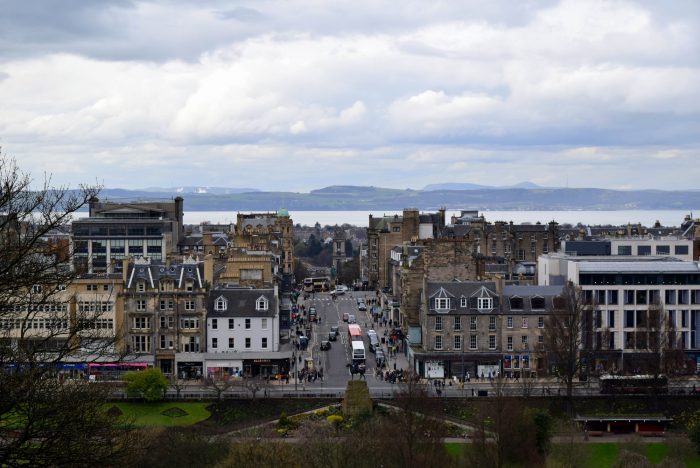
<point x="294" y="358"/>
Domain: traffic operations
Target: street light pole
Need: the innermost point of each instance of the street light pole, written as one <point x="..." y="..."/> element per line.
<point x="294" y="357"/>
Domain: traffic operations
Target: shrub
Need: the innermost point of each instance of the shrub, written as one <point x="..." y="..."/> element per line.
<point x="543" y="430"/>
<point x="150" y="383"/>
<point x="336" y="421"/>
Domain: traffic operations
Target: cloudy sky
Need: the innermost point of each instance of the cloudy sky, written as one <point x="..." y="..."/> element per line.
<point x="296" y="95"/>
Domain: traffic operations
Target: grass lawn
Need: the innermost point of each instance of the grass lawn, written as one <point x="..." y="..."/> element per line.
<point x="602" y="455"/>
<point x="151" y="414"/>
<point x="597" y="455"/>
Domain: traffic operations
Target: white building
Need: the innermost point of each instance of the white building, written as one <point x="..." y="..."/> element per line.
<point x="622" y="291"/>
<point x="243" y="335"/>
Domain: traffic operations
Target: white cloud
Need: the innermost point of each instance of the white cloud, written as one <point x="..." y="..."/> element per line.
<point x="466" y="85"/>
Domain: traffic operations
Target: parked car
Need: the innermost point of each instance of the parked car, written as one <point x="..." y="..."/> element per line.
<point x="334" y="330"/>
<point x="346" y="316"/>
<point x="351" y="319"/>
<point x="325" y="345"/>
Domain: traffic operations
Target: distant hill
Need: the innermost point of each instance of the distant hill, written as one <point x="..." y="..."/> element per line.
<point x="468" y="186"/>
<point x="340" y="198"/>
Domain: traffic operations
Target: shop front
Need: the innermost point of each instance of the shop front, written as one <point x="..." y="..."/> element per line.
<point x="224" y="369"/>
<point x="190" y="370"/>
<point x="516" y="366"/>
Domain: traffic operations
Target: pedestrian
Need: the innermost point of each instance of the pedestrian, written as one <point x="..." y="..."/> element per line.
<point x="472" y="391"/>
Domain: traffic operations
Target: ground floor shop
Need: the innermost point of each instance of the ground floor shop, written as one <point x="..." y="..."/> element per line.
<point x="467" y="366"/>
<point x="266" y="365"/>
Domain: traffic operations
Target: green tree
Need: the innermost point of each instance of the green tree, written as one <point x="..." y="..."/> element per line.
<point x="150" y="383"/>
<point x="543" y="430"/>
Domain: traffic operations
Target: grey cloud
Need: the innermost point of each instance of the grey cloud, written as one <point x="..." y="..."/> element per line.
<point x="241" y="14"/>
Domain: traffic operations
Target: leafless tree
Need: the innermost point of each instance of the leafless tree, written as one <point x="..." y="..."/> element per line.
<point x="565" y="333"/>
<point x="46" y="420"/>
<point x="219" y="385"/>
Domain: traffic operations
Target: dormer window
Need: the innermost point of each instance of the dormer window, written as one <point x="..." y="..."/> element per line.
<point x="261" y="304"/>
<point x="442" y="303"/>
<point x="463" y="302"/>
<point x="485" y="303"/>
<point x="220" y="304"/>
<point x="140" y="286"/>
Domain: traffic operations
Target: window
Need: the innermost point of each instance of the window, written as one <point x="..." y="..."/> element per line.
<point x="438" y="323"/>
<point x="192" y="345"/>
<point x="189" y="323"/>
<point x="141" y="343"/>
<point x="220" y="304"/>
<point x="629" y="296"/>
<point x="214" y="343"/>
<point x="524" y="340"/>
<point x="230" y="324"/>
<point x="509" y="343"/>
<point x="458" y="342"/>
<point x="680" y="250"/>
<point x="247" y="343"/>
<point x="540" y="340"/>
<point x="598" y="318"/>
<point x="105" y="287"/>
<point x="509" y="322"/>
<point x="472" y="342"/>
<point x="442" y="303"/>
<point x="140" y="304"/>
<point x="140" y="286"/>
<point x="624" y="250"/>
<point x="492" y="341"/>
<point x="438" y="342"/>
<point x="663" y="250"/>
<point x="189" y="305"/>
<point x="263" y="324"/>
<point x="214" y="324"/>
<point x="524" y="322"/>
<point x="463" y="302"/>
<point x="162" y="341"/>
<point x="89" y="287"/>
<point x="644" y="250"/>
<point x="472" y="323"/>
<point x="492" y="323"/>
<point x="540" y="322"/>
<point x="516" y="303"/>
<point x="684" y="318"/>
<point x="485" y="303"/>
<point x="247" y="324"/>
<point x="537" y="303"/>
<point x="611" y="318"/>
<point x="263" y="343"/>
<point x="261" y="304"/>
<point x="629" y="318"/>
<point x="230" y="343"/>
<point x="458" y="323"/>
<point x="612" y="297"/>
<point x="672" y="318"/>
<point x="142" y="322"/>
<point x="164" y="322"/>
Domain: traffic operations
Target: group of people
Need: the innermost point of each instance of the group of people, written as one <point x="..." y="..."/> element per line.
<point x="394" y="376"/>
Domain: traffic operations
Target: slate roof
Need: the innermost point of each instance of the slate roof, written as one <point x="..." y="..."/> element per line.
<point x="456" y="290"/>
<point x="526" y="293"/>
<point x="241" y="302"/>
<point x="154" y="273"/>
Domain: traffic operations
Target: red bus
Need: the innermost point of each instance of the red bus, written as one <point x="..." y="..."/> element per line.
<point x="354" y="332"/>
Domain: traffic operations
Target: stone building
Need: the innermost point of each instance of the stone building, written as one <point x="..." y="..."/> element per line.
<point x="387" y="232"/>
<point x="165" y="313"/>
<point x="267" y="231"/>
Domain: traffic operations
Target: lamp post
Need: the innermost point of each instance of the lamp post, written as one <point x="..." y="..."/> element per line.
<point x="294" y="358"/>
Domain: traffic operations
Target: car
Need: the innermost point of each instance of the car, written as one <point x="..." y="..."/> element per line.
<point x="346" y="317"/>
<point x="386" y="290"/>
<point x="351" y="319"/>
<point x="332" y="336"/>
<point x="380" y="358"/>
<point x="340" y="290"/>
<point x="325" y="345"/>
<point x="335" y="330"/>
<point x="362" y="306"/>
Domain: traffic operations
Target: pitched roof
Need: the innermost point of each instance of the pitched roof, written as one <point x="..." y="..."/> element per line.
<point x="241" y="302"/>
